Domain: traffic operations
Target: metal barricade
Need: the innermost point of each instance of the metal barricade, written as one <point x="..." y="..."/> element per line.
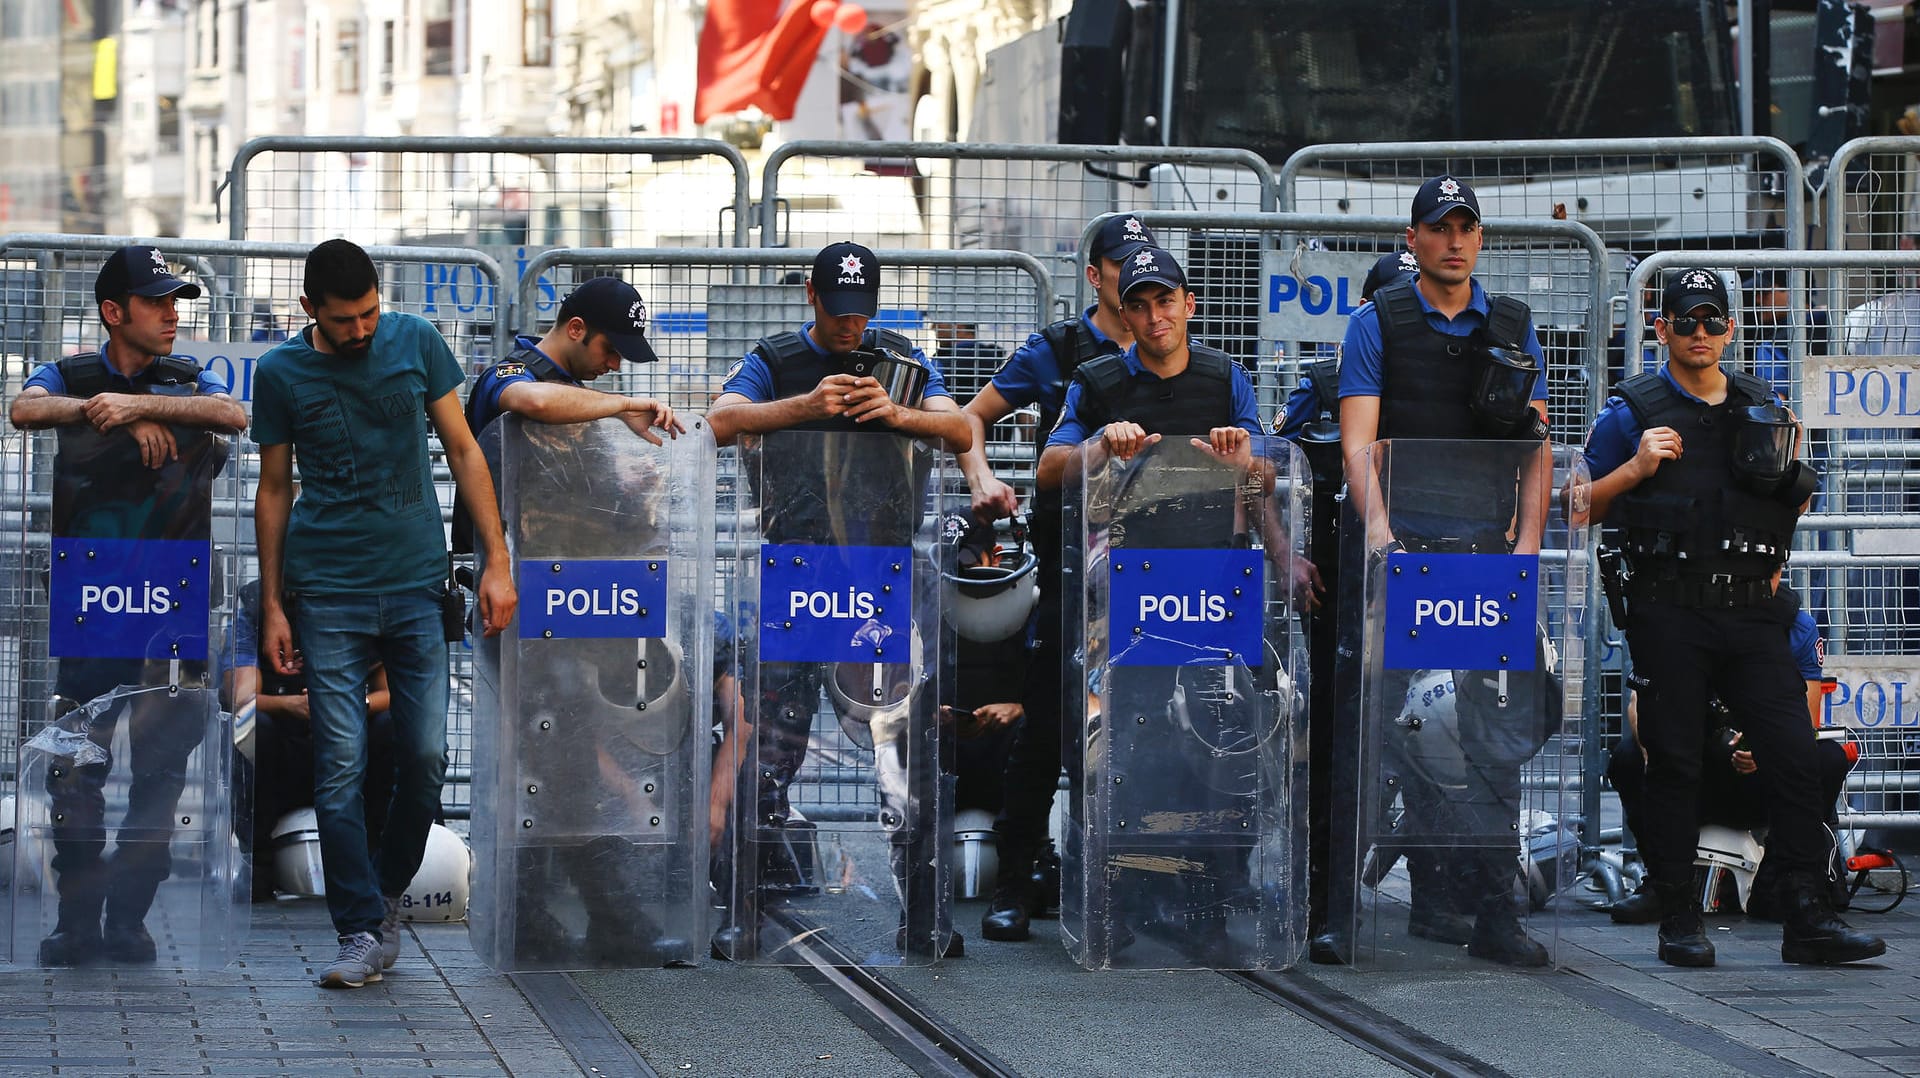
<point x="1868" y="199"/>
<point x="498" y="193"/>
<point x="251" y="300"/>
<point x="972" y="195"/>
<point x="1856" y="562"/>
<point x="1637" y="194"/>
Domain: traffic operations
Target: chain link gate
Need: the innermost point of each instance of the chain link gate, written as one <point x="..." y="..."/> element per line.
<point x="707" y="308"/>
<point x="1856" y="558"/>
<point x="250" y="301"/>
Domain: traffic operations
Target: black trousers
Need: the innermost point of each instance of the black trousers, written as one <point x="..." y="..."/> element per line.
<point x="1682" y="656"/>
<point x="1033" y="763"/>
<point x="1727" y="798"/>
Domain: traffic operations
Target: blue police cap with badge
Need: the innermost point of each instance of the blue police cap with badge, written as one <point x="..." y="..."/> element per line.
<point x="1150" y="265"/>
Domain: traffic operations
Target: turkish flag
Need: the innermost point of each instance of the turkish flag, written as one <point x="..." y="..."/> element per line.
<point x="753" y="53"/>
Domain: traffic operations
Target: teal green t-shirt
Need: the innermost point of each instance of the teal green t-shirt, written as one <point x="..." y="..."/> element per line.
<point x="367" y="519"/>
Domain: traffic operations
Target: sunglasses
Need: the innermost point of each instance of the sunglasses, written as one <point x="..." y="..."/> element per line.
<point x="1685" y="325"/>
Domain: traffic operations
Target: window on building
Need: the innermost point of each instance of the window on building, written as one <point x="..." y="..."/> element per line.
<point x="388" y="40"/>
<point x="167" y="125"/>
<point x="437" y="41"/>
<point x="347" y="66"/>
<point x="206" y="34"/>
<point x="536" y="33"/>
<point x="240" y="38"/>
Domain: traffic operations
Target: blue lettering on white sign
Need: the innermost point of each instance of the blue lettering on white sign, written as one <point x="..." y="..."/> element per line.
<point x="834" y="604"/>
<point x="1875" y="392"/>
<point x="1319" y="297"/>
<point x="129" y="598"/>
<point x="593" y="599"/>
<point x="1461" y="611"/>
<point x="1186" y="607"/>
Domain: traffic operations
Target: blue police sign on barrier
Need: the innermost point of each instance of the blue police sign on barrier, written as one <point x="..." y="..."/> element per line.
<point x="1186" y="607"/>
<point x="593" y="599"/>
<point x="834" y="604"/>
<point x="1461" y="611"/>
<point x="129" y="598"/>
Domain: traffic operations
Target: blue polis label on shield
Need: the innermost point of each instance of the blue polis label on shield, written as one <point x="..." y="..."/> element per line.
<point x="1461" y="611"/>
<point x="1186" y="607"/>
<point x="130" y="598"/>
<point x="836" y="604"/>
<point x="593" y="599"/>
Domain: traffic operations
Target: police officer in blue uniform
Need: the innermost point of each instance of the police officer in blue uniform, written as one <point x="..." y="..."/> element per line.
<point x="165" y="405"/>
<point x="1411" y="363"/>
<point x="1695" y="474"/>
<point x="1037" y="373"/>
<point x="815" y="379"/>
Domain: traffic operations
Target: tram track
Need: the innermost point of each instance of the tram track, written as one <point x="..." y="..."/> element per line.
<point x="1364" y="1026"/>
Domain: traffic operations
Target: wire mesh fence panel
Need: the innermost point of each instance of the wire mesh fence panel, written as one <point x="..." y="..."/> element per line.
<point x="1870" y="194"/>
<point x="964" y="196"/>
<point x="508" y="196"/>
<point x="1836" y="333"/>
<point x="250" y="301"/>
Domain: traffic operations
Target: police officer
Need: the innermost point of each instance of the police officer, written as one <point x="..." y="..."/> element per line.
<point x="163" y="404"/>
<point x="1311" y="419"/>
<point x="1411" y="362"/>
<point x="1695" y="472"/>
<point x="808" y="380"/>
<point x="1037" y="373"/>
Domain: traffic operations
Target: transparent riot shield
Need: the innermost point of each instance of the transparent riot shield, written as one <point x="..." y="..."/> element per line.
<point x="1185" y="839"/>
<point x="592" y="710"/>
<point x="1459" y="637"/>
<point x="841" y="818"/>
<point x="125" y="847"/>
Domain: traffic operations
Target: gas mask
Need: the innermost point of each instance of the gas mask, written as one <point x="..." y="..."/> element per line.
<point x="1502" y="400"/>
<point x="1763" y="455"/>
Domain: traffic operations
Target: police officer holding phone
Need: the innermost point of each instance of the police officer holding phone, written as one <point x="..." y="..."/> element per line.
<point x="1697" y="478"/>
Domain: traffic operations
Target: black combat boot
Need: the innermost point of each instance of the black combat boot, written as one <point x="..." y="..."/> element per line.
<point x="1045" y="903"/>
<point x="1438" y="912"/>
<point x="1813" y="934"/>
<point x="1683" y="935"/>
<point x="1498" y="935"/>
<point x="1009" y="913"/>
<point x="1642" y="907"/>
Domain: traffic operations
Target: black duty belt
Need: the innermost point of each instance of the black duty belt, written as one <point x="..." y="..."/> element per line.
<point x="1700" y="591"/>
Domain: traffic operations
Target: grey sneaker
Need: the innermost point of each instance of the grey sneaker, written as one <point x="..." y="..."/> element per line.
<point x="358" y="962"/>
<point x="390" y="934"/>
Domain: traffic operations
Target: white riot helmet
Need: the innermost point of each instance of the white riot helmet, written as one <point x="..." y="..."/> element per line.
<point x="296" y="855"/>
<point x="439" y="890"/>
<point x="1426" y="734"/>
<point x="976" y="854"/>
<point x="986" y="594"/>
<point x="873" y="700"/>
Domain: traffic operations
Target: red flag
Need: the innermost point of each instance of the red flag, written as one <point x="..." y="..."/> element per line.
<point x="753" y="53"/>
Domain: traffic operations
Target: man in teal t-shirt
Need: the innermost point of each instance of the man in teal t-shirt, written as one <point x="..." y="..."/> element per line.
<point x="359" y="565"/>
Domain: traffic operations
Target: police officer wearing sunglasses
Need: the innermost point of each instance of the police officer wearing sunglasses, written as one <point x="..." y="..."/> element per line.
<point x="1697" y="483"/>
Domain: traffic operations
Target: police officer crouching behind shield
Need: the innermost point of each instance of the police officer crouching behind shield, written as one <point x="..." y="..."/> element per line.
<point x="1695" y="473"/>
<point x="1437" y="357"/>
<point x="806" y="380"/>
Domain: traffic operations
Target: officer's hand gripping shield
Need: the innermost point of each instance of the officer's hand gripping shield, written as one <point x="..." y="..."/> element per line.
<point x="1186" y="670"/>
<point x="592" y="710"/>
<point x="841" y="819"/>
<point x="126" y="814"/>
<point x="1459" y="633"/>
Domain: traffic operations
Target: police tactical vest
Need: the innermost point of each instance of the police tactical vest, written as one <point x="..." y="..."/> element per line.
<point x="1425" y="382"/>
<point x="1692" y="516"/>
<point x="86" y="376"/>
<point x="543" y="369"/>
<point x="797" y="367"/>
<point x="1323" y="451"/>
<point x="1073" y="347"/>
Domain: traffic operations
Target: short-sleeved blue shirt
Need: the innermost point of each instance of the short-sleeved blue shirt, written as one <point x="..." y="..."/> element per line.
<point x="1362" y="351"/>
<point x="753" y="379"/>
<point x="1805" y="640"/>
<point x="1302" y="405"/>
<point x="509" y="371"/>
<point x="49" y="378"/>
<point x="1616" y="433"/>
<point x="1033" y="375"/>
<point x="1071" y="431"/>
<point x="367" y="520"/>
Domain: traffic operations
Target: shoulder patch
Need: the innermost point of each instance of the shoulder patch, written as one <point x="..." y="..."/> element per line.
<point x="509" y="368"/>
<point x="734" y="371"/>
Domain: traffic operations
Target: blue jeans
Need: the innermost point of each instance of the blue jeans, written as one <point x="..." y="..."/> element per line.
<point x="342" y="636"/>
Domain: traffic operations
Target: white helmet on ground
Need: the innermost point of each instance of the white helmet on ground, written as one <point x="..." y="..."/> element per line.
<point x="296" y="855"/>
<point x="439" y="890"/>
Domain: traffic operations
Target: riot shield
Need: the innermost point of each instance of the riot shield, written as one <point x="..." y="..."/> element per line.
<point x="1185" y="840"/>
<point x="591" y="711"/>
<point x="126" y="847"/>
<point x="1460" y="633"/>
<point x="841" y="817"/>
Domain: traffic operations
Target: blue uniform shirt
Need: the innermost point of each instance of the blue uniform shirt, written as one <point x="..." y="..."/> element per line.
<point x="1616" y="433"/>
<point x="1361" y="353"/>
<point x="509" y="371"/>
<point x="1302" y="405"/>
<point x="48" y="377"/>
<point x="1805" y="640"/>
<point x="1033" y="374"/>
<point x="1071" y="431"/>
<point x="753" y="379"/>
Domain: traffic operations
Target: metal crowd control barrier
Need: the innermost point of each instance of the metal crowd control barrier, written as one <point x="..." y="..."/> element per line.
<point x="1869" y="193"/>
<point x="1856" y="562"/>
<point x="709" y="306"/>
<point x="251" y="301"/>
<point x="500" y="193"/>
<point x="1637" y="194"/>
<point x="1014" y="197"/>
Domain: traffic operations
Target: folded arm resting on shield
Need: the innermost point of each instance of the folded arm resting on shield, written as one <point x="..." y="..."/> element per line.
<point x="474" y="485"/>
<point x="553" y="402"/>
<point x="35" y="409"/>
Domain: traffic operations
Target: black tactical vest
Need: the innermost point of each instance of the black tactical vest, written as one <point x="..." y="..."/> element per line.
<point x="543" y="369"/>
<point x="1426" y="381"/>
<point x="797" y="367"/>
<point x="1692" y="516"/>
<point x="1074" y="346"/>
<point x="86" y="376"/>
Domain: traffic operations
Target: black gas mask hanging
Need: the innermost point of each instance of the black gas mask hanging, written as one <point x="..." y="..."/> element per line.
<point x="1502" y="396"/>
<point x="1763" y="454"/>
<point x="1320" y="438"/>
